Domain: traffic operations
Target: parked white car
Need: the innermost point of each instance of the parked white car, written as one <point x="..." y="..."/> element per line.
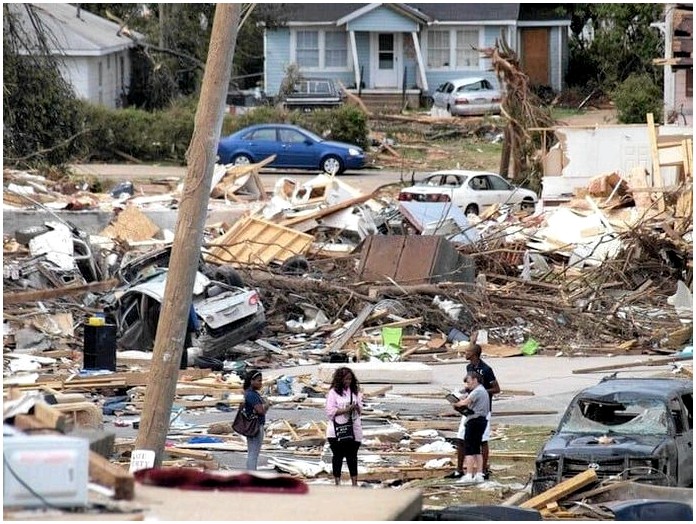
<point x="472" y="191"/>
<point x="468" y="96"/>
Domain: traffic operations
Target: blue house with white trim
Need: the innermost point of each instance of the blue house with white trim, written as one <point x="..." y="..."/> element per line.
<point x="394" y="47"/>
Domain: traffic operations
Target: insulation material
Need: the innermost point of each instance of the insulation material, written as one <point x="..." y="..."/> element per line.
<point x="131" y="224"/>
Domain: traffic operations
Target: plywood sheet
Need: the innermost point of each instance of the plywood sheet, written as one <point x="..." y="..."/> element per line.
<point x="131" y="224"/>
<point x="253" y="241"/>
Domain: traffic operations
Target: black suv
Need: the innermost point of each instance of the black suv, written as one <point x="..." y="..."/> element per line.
<point x="314" y="93"/>
<point x="638" y="429"/>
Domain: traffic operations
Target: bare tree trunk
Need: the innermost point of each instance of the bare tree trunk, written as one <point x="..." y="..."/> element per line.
<point x="201" y="156"/>
<point x="505" y="155"/>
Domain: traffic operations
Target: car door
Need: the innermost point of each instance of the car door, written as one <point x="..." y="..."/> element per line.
<point x="297" y="149"/>
<point x="682" y="414"/>
<point x="501" y="191"/>
<point x="440" y="95"/>
<point x="479" y="192"/>
<point x="263" y="143"/>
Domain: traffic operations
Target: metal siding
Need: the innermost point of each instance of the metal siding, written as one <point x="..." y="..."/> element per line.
<point x="277" y="58"/>
<point x="382" y="19"/>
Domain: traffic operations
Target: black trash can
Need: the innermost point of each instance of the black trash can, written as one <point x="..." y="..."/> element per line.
<point x="99" y="350"/>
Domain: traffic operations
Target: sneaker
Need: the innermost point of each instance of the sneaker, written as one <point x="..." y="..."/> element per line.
<point x="466" y="479"/>
<point x="479" y="478"/>
<point x="487" y="474"/>
<point x="454" y="475"/>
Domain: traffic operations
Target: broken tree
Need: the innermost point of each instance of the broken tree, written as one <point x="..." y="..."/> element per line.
<point x="189" y="233"/>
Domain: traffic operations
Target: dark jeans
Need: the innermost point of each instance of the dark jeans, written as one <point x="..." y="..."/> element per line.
<point x="341" y="449"/>
<point x="475" y="428"/>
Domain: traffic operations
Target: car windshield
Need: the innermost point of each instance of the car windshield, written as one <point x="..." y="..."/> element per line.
<point x="634" y="417"/>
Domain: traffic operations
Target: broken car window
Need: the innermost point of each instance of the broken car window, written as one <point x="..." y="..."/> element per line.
<point x="637" y="417"/>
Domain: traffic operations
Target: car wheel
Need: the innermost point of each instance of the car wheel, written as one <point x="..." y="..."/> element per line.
<point x="241" y="160"/>
<point x="229" y="276"/>
<point x="471" y="209"/>
<point x="296" y="265"/>
<point x="527" y="206"/>
<point x="332" y="165"/>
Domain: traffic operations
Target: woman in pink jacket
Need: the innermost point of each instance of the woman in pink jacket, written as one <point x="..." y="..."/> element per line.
<point x="344" y="402"/>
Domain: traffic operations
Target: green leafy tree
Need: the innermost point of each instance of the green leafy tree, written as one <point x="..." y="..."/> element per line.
<point x="623" y="44"/>
<point x="42" y="118"/>
<point x="637" y="96"/>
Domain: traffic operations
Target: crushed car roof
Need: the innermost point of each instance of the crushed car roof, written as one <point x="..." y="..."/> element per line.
<point x="639" y="386"/>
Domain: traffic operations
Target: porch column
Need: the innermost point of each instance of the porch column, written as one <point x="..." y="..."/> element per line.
<point x="356" y="65"/>
<point x="419" y="57"/>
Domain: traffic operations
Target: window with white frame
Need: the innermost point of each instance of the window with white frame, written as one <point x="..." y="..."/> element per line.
<point x="467" y="56"/>
<point x="335" y="49"/>
<point x="307" y="48"/>
<point x="438" y="49"/>
<point x="321" y="49"/>
<point x="453" y="49"/>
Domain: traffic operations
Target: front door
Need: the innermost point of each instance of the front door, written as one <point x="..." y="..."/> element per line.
<point x="386" y="51"/>
<point x="535" y="55"/>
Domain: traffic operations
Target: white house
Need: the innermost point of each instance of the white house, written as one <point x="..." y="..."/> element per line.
<point x="94" y="57"/>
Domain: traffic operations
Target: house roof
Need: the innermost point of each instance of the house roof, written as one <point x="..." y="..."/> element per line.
<point x="449" y="12"/>
<point x="70" y="34"/>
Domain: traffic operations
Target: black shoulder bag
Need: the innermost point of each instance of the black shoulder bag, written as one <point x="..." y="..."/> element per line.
<point x="345" y="431"/>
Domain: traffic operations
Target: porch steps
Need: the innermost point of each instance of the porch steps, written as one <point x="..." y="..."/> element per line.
<point x="387" y="102"/>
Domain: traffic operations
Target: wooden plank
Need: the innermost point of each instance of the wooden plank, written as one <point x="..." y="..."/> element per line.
<point x="561" y="490"/>
<point x="648" y="362"/>
<point x="338" y="344"/>
<point x="50" y="417"/>
<point x="326" y="211"/>
<point x="24" y="297"/>
<point x="107" y="474"/>
<point x="657" y="174"/>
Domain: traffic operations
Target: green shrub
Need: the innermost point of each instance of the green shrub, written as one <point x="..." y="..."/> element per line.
<point x="637" y="96"/>
<point x="345" y="124"/>
<point x="165" y="135"/>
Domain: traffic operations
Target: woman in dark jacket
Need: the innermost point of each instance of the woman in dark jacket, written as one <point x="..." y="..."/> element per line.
<point x="254" y="402"/>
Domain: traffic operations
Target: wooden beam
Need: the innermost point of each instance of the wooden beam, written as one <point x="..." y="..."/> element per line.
<point x="657" y="174"/>
<point x="50" y="417"/>
<point x="24" y="297"/>
<point x="107" y="474"/>
<point x="338" y="344"/>
<point x="648" y="362"/>
<point x="561" y="490"/>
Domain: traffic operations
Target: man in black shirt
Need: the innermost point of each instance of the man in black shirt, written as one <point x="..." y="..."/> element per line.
<point x="490" y="383"/>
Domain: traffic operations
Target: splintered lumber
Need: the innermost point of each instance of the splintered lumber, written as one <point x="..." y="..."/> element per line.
<point x="561" y="490"/>
<point x="322" y="212"/>
<point x="232" y="173"/>
<point x="648" y="362"/>
<point x="382" y="372"/>
<point x="107" y="474"/>
<point x="25" y="297"/>
<point x="338" y="344"/>
<point x="657" y="174"/>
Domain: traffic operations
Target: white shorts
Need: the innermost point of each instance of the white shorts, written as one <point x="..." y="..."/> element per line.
<point x="486" y="433"/>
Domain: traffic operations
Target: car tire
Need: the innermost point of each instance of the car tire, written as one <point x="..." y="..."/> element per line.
<point x="527" y="206"/>
<point x="297" y="265"/>
<point x="471" y="209"/>
<point x="332" y="165"/>
<point x="228" y="275"/>
<point x="242" y="160"/>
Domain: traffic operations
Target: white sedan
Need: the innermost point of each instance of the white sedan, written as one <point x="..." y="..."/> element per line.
<point x="472" y="191"/>
<point x="468" y="96"/>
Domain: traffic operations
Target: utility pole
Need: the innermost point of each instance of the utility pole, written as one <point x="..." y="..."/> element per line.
<point x="178" y="291"/>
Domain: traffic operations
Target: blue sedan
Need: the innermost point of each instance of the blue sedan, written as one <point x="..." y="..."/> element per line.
<point x="293" y="146"/>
